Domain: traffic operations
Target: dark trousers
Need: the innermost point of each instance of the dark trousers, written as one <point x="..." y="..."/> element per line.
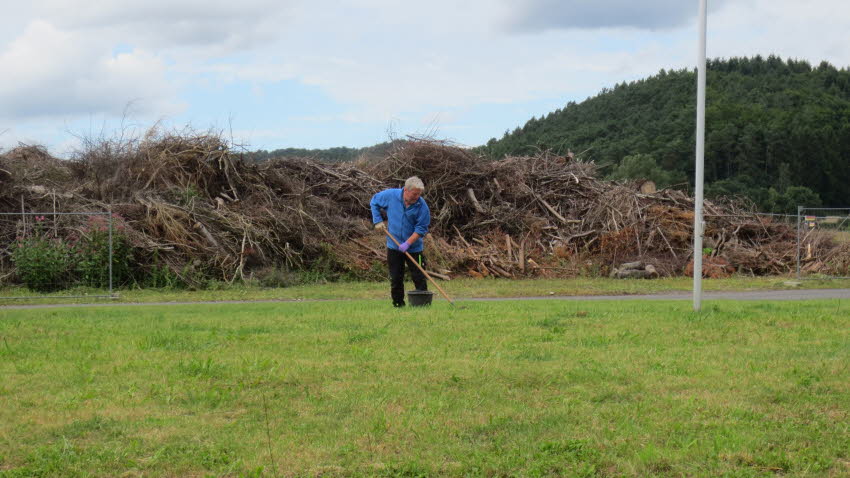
<point x="397" y="260"/>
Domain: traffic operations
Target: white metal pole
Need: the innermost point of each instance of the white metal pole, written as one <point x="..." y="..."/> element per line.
<point x="699" y="225"/>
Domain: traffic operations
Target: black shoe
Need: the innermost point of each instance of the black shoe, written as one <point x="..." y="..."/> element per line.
<point x="398" y="304"/>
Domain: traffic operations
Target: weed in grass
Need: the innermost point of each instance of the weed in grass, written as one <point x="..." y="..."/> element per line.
<point x="258" y="472"/>
<point x="669" y="368"/>
<point x="364" y="336"/>
<point x="596" y="341"/>
<point x="64" y="457"/>
<point x="50" y="460"/>
<point x="189" y="453"/>
<point x="193" y="327"/>
<point x="769" y="461"/>
<point x="27" y="367"/>
<point x="805" y="378"/>
<point x="565" y="458"/>
<point x="82" y="375"/>
<point x="102" y="427"/>
<point x="200" y="368"/>
<point x="611" y="396"/>
<point x="172" y="342"/>
<point x="259" y="366"/>
<point x="206" y="398"/>
<point x="255" y="330"/>
<point x="554" y="325"/>
<point x="163" y="393"/>
<point x="550" y="337"/>
<point x="406" y="469"/>
<point x="6" y="351"/>
<point x="534" y="355"/>
<point x="698" y="317"/>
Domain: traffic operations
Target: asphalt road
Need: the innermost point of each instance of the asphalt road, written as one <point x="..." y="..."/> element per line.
<point x="796" y="294"/>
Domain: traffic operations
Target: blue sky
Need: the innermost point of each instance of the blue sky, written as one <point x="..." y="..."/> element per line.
<point x="321" y="73"/>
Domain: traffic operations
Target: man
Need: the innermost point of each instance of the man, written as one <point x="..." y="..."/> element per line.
<point x="408" y="218"/>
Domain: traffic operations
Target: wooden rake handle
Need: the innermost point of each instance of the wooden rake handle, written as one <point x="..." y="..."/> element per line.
<point x="421" y="269"/>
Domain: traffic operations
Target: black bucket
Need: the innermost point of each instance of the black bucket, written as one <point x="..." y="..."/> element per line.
<point x="419" y="298"/>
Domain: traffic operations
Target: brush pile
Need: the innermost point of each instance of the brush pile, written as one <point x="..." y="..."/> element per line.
<point x="190" y="203"/>
<point x="551" y="215"/>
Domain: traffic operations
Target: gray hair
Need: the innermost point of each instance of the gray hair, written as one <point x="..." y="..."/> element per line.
<point x="414" y="182"/>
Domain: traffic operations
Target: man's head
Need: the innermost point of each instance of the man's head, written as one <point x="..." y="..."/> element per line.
<point x="413" y="188"/>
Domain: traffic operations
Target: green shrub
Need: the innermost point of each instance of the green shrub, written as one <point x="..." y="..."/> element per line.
<point x="160" y="276"/>
<point x="277" y="277"/>
<point x="43" y="263"/>
<point x="92" y="250"/>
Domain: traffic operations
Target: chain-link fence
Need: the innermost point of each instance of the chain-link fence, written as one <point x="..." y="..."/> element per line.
<point x="56" y="254"/>
<point x="823" y="243"/>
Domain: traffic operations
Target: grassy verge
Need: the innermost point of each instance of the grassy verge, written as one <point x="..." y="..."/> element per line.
<point x="460" y="288"/>
<point x="543" y="388"/>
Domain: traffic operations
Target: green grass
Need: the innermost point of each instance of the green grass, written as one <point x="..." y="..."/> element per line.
<point x="460" y="288"/>
<point x="540" y="388"/>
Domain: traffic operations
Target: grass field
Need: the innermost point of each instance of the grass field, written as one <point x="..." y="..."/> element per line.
<point x="356" y="388"/>
<point x="458" y="288"/>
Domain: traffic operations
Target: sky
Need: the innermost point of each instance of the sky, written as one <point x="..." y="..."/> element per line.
<point x="269" y="74"/>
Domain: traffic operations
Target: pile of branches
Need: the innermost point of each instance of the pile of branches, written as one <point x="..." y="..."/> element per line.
<point x="551" y="215"/>
<point x="189" y="202"/>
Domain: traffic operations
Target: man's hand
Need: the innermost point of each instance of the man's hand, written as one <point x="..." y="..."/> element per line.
<point x="381" y="226"/>
<point x="403" y="247"/>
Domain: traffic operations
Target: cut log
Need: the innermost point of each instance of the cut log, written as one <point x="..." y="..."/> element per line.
<point x="633" y="274"/>
<point x="521" y="258"/>
<point x="206" y="233"/>
<point x="631" y="266"/>
<point x="475" y="204"/>
<point x="438" y="275"/>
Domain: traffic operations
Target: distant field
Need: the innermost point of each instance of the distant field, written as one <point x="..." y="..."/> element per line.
<point x="544" y="388"/>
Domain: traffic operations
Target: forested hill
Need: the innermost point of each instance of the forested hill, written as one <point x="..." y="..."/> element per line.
<point x="776" y="131"/>
<point x="329" y="155"/>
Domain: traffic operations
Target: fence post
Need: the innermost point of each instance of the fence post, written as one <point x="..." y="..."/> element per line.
<point x="799" y="215"/>
<point x="23" y="215"/>
<point x="109" y="211"/>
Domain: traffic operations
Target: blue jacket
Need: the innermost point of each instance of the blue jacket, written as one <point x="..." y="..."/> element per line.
<point x="402" y="221"/>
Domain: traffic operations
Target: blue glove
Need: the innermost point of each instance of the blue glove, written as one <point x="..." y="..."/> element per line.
<point x="403" y="247"/>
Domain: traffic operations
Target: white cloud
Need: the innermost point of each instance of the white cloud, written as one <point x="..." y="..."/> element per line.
<point x="50" y="72"/>
<point x="813" y="31"/>
<point x="535" y="15"/>
<point x="261" y="72"/>
<point x="167" y="24"/>
<point x="466" y="70"/>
